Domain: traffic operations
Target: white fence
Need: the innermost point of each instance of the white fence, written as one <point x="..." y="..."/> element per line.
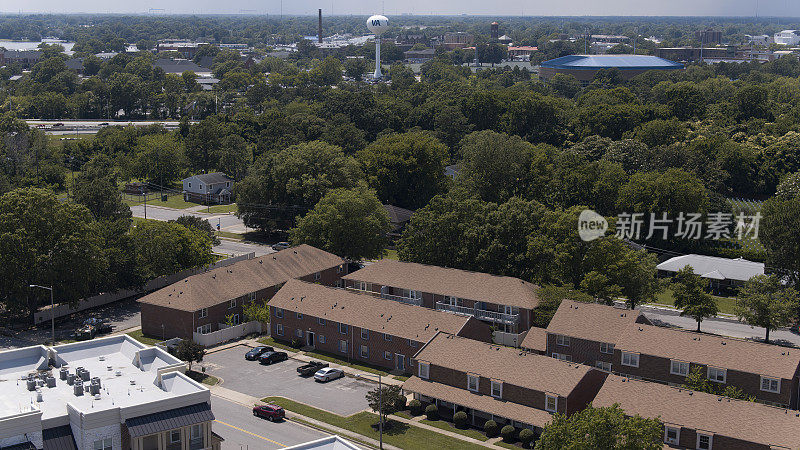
<point x="63" y="309"/>
<point x="508" y="339"/>
<point x="227" y="334"/>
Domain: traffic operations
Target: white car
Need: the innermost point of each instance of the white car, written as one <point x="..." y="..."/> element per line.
<point x="328" y="374"/>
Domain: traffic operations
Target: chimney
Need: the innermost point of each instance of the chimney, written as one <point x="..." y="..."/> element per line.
<point x="319" y="27"/>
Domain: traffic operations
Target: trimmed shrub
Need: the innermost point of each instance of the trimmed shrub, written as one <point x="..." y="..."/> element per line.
<point x="432" y="412"/>
<point x="526" y="436"/>
<point x="508" y="432"/>
<point x="400" y="402"/>
<point x="490" y="428"/>
<point x="460" y="419"/>
<point x="415" y="406"/>
<point x="296" y="343"/>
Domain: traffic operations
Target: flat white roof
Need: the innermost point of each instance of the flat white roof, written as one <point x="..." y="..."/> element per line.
<point x="714" y="267"/>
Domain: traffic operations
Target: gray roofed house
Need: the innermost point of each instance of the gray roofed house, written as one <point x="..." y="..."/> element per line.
<point x="213" y="187"/>
<point x="25" y="58"/>
<point x="75" y="64"/>
<point x="722" y="272"/>
<point x="178" y="66"/>
<point x="398" y="218"/>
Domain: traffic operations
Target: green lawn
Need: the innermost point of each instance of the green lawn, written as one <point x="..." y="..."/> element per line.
<point x="229" y="235"/>
<point x="206" y="379"/>
<point x="401" y="434"/>
<point x="400" y="377"/>
<point x="334" y="359"/>
<point x="219" y="209"/>
<point x="273" y="343"/>
<point x="147" y="340"/>
<point x="391" y="254"/>
<point x="504" y="445"/>
<point x="444" y="425"/>
<point x="404" y="415"/>
<point x="724" y="304"/>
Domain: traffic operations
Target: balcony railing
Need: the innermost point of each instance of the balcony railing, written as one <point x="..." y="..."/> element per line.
<point x="397" y="298"/>
<point x="480" y="314"/>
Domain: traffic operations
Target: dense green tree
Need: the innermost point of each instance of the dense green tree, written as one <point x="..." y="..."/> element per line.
<point x="689" y="290"/>
<point x="235" y="156"/>
<point x="164" y="248"/>
<point x="779" y="233"/>
<point x="199" y="224"/>
<point x="495" y="166"/>
<point x="765" y="302"/>
<point x="351" y="223"/>
<point x="158" y="158"/>
<point x="202" y="144"/>
<point x="607" y="428"/>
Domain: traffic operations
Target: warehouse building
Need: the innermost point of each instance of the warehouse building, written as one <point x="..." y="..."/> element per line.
<point x="585" y="67"/>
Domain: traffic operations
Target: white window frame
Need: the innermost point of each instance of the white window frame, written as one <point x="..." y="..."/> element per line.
<point x="279" y="329"/>
<point x="603" y="365"/>
<point x="236" y="320"/>
<point x="496" y="383"/>
<point x="364" y="352"/>
<point x="279" y="313"/>
<point x="423" y="369"/>
<point x="717" y="370"/>
<point x="341" y="326"/>
<point x="677" y="439"/>
<point x="104" y="444"/>
<point x="232" y="304"/>
<point x="547" y="398"/>
<point x="412" y="343"/>
<point x="476" y="379"/>
<point x="361" y="286"/>
<point x="631" y="357"/>
<point x="298" y="315"/>
<point x="365" y="334"/>
<point x="321" y="321"/>
<point x="606" y="348"/>
<point x="317" y="276"/>
<point x="387" y="355"/>
<point x="172" y="439"/>
<point x="777" y="381"/>
<point x="681" y="366"/>
<point x="321" y="339"/>
<point x="387" y="337"/>
<point x="710" y="441"/>
<point x="196" y="431"/>
<point x="203" y="313"/>
<point x="342" y="346"/>
<point x="562" y="340"/>
<point x="298" y="333"/>
<point x="562" y="357"/>
<point x="204" y="329"/>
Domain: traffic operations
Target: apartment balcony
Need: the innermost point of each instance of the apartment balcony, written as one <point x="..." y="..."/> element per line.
<point x="397" y="298"/>
<point x="480" y="314"/>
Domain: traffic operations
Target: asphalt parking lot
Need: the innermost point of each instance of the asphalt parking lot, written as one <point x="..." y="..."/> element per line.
<point x="344" y="396"/>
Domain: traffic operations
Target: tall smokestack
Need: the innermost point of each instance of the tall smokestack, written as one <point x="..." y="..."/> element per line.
<point x="319" y="27"/>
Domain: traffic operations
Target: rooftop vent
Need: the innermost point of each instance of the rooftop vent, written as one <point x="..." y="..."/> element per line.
<point x="102" y="358"/>
<point x="118" y="373"/>
<point x="133" y="382"/>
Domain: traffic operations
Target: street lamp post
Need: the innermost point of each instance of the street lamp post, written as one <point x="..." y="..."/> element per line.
<point x="52" y="310"/>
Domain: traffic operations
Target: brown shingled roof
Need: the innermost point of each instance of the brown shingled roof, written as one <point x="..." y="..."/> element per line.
<point x="591" y="321"/>
<point x="454" y="282"/>
<point x="227" y="283"/>
<point x="366" y="311"/>
<point x="517" y="367"/>
<point x="485" y="403"/>
<point x="535" y="339"/>
<point x="748" y="421"/>
<point x="717" y="351"/>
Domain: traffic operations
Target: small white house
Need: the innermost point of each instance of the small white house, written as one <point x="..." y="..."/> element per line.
<point x="208" y="188"/>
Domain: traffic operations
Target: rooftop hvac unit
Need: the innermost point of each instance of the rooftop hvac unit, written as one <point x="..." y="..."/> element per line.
<point x="96" y="380"/>
<point x="63" y="373"/>
<point x="70" y="379"/>
<point x="78" y="389"/>
<point x="94" y="389"/>
<point x="51" y="381"/>
<point x="31" y="385"/>
<point x="85" y="375"/>
<point x="39" y="397"/>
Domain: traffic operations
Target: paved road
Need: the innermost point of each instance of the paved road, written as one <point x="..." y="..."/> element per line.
<point x="236" y="248"/>
<point x="726" y="327"/>
<point x="242" y="431"/>
<point x="227" y="222"/>
<point x="344" y="396"/>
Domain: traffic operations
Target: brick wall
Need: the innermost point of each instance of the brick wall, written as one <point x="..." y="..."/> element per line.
<point x="581" y="351"/>
<point x="176" y="323"/>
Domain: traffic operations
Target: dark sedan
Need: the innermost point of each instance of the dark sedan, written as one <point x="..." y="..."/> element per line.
<point x="272" y="357"/>
<point x="253" y="354"/>
<point x="269" y="412"/>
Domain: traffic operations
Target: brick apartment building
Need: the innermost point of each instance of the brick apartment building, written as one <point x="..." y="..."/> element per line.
<point x="585" y="333"/>
<point x="357" y="326"/>
<point x="703" y="421"/>
<point x="499" y="383"/>
<point x="503" y="302"/>
<point x="767" y="372"/>
<point x="202" y="303"/>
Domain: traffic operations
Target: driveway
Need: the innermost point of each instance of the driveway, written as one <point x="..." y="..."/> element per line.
<point x="344" y="396"/>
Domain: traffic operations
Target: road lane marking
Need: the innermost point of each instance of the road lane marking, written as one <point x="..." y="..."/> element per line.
<point x="248" y="432"/>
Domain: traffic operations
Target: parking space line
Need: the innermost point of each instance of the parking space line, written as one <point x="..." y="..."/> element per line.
<point x="248" y="432"/>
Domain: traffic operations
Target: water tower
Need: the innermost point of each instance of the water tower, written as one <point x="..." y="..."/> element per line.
<point x="378" y="25"/>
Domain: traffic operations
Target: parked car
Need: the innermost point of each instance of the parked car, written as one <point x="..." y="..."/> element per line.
<point x="272" y="357"/>
<point x="92" y="327"/>
<point x="328" y="374"/>
<point x="100" y="325"/>
<point x="281" y="246"/>
<point x="306" y="370"/>
<point x="269" y="412"/>
<point x="59" y="124"/>
<point x="104" y="124"/>
<point x="253" y="354"/>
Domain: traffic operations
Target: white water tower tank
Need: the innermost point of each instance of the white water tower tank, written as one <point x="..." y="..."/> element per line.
<point x="378" y="25"/>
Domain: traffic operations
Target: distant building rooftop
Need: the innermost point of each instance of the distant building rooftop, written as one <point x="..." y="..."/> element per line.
<point x="622" y="62"/>
<point x="714" y="267"/>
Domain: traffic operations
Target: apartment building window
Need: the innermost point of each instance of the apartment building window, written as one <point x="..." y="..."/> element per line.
<point x="317" y="276"/>
<point x="342" y="346"/>
<point x="717" y="374"/>
<point x="204" y="313"/>
<point x="551" y="403"/>
<point x="417" y="295"/>
<point x="497" y="389"/>
<point x="279" y="329"/>
<point x="672" y="435"/>
<point x="279" y="313"/>
<point x="174" y="437"/>
<point x="630" y="359"/>
<point x="387" y="356"/>
<point x="365" y="352"/>
<point x="205" y="329"/>
<point x="235" y="319"/>
<point x="704" y="441"/>
<point x="412" y="343"/>
<point x="343" y="328"/>
<point x="606" y="348"/>
<point x="562" y="340"/>
<point x="387" y="337"/>
<point x="424" y="369"/>
<point x="678" y="367"/>
<point x="361" y="285"/>
<point x="562" y="357"/>
<point x="321" y="339"/>
<point x="321" y="321"/>
<point x="339" y="268"/>
<point x="603" y="365"/>
<point x="770" y="385"/>
<point x="105" y="444"/>
<point x="298" y="315"/>
<point x="472" y="382"/>
<point x="232" y="304"/>
<point x="364" y="334"/>
<point x="252" y="296"/>
<point x="196" y="432"/>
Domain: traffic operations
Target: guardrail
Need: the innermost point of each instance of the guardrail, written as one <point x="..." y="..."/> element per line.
<point x="481" y="314"/>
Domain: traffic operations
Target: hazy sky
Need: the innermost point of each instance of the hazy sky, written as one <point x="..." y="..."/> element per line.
<point x="775" y="8"/>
